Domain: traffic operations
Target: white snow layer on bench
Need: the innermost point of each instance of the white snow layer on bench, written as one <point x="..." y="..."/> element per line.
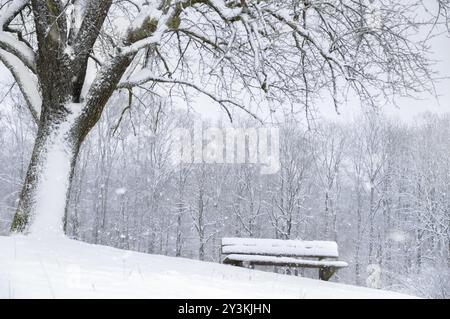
<point x="287" y="260"/>
<point x="278" y="247"/>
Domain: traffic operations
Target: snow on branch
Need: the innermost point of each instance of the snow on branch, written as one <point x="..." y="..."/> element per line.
<point x="307" y="36"/>
<point x="19" y="58"/>
<point x="154" y="21"/>
<point x="8" y="42"/>
<point x="143" y="78"/>
<point x="225" y="12"/>
<point x="151" y="23"/>
<point x="154" y="38"/>
<point x="26" y="81"/>
<point x="19" y="49"/>
<point x="8" y="13"/>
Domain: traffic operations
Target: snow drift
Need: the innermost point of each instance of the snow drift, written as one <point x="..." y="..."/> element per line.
<point x="64" y="268"/>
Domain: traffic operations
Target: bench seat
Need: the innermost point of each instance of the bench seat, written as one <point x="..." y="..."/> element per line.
<point x="283" y="261"/>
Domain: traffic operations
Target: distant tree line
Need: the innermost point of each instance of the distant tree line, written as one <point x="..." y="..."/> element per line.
<point x="380" y="188"/>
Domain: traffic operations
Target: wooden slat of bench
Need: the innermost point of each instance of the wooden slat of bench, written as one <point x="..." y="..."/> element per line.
<point x="278" y="247"/>
<point x="283" y="261"/>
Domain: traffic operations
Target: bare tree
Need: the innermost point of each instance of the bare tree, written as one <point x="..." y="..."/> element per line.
<point x="290" y="187"/>
<point x="328" y="159"/>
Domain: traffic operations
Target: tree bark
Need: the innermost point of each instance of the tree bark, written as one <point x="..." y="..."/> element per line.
<point x="42" y="206"/>
<point x="66" y="116"/>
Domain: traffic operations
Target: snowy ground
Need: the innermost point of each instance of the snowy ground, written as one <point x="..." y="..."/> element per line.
<point x="65" y="268"/>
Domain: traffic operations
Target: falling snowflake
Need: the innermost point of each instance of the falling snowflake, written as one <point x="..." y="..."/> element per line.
<point x="120" y="191"/>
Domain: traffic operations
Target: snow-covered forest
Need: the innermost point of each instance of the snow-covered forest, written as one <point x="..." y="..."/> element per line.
<point x="379" y="188"/>
<point x="94" y="95"/>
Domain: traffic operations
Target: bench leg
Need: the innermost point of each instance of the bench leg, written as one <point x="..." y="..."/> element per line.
<point x="237" y="263"/>
<point x="326" y="273"/>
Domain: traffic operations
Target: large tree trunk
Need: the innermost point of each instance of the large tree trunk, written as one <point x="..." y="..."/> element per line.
<point x="61" y="66"/>
<point x="43" y="201"/>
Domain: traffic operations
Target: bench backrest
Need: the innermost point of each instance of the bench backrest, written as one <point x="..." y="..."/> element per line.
<point x="279" y="247"/>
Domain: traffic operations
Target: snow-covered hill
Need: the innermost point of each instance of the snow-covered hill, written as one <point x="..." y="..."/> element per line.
<point x="63" y="268"/>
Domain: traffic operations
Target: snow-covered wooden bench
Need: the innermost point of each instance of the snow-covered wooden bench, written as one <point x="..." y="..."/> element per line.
<point x="285" y="253"/>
